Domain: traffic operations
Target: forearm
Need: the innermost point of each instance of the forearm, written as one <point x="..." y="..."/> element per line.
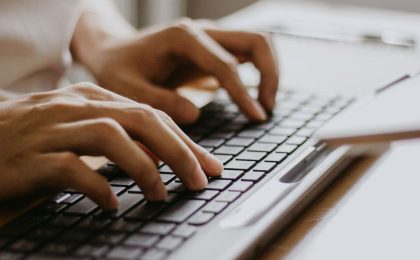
<point x="98" y="24"/>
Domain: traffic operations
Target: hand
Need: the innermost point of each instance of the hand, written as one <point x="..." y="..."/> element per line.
<point x="42" y="136"/>
<point x="140" y="66"/>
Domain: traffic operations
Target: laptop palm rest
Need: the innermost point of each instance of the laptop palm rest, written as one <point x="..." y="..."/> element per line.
<point x="264" y="199"/>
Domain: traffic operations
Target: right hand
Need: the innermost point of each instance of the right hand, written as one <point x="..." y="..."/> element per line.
<point x="42" y="136"/>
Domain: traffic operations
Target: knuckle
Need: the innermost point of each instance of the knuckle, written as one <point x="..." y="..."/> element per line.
<point x="86" y="87"/>
<point x="148" y="114"/>
<point x="183" y="27"/>
<point x="262" y="38"/>
<point x="106" y="127"/>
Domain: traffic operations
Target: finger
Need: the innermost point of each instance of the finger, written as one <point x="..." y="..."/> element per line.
<point x="211" y="57"/>
<point x="260" y="51"/>
<point x="67" y="170"/>
<point x="210" y="165"/>
<point x="179" y="108"/>
<point x="106" y="137"/>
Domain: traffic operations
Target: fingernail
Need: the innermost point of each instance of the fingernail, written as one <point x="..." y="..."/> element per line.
<point x="259" y="111"/>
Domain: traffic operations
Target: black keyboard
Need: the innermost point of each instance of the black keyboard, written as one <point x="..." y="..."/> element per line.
<point x="70" y="225"/>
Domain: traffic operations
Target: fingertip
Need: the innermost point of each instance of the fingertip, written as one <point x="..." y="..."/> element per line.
<point x="186" y="112"/>
<point x="157" y="192"/>
<point x="112" y="202"/>
<point x="214" y="166"/>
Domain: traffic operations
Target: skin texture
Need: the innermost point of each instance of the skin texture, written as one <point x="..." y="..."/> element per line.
<point x="142" y="65"/>
<point x="42" y="136"/>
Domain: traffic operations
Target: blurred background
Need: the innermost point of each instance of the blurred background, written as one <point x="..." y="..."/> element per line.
<point x="146" y="12"/>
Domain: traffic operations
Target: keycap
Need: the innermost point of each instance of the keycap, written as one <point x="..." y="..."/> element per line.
<point x="122" y="181"/>
<point x="60" y="197"/>
<point x="157" y="228"/>
<point x="276" y="157"/>
<point x="93" y="224"/>
<point x="217" y="184"/>
<point x="222" y="135"/>
<point x="44" y="232"/>
<point x="83" y="207"/>
<point x="240" y="186"/>
<point x="145" y="210"/>
<point x="211" y="142"/>
<point x="10" y="256"/>
<point x="253" y="176"/>
<point x="305" y="132"/>
<point x="169" y="243"/>
<point x="175" y="187"/>
<point x="283" y="131"/>
<point x="202" y="195"/>
<point x="74" y="235"/>
<point x="231" y="174"/>
<point x="111" y="238"/>
<point x="24" y="245"/>
<point x="215" y="207"/>
<point x="117" y="190"/>
<point x="122" y="252"/>
<point x="57" y="248"/>
<point x="252" y="133"/>
<point x="19" y="227"/>
<point x="200" y="218"/>
<point x="262" y="147"/>
<point x="50" y="208"/>
<point x="184" y="231"/>
<point x="238" y="141"/>
<point x="134" y="189"/>
<point x="315" y="124"/>
<point x="296" y="140"/>
<point x="223" y="158"/>
<point x="122" y="225"/>
<point x="143" y="240"/>
<point x="286" y="148"/>
<point x="228" y="196"/>
<point x="154" y="254"/>
<point x="228" y="150"/>
<point x="125" y="202"/>
<point x="181" y="210"/>
<point x="94" y="250"/>
<point x="165" y="169"/>
<point x="239" y="165"/>
<point x="273" y="139"/>
<point x="264" y="167"/>
<point x="293" y="123"/>
<point x="251" y="156"/>
<point x="73" y="198"/>
<point x="167" y="178"/>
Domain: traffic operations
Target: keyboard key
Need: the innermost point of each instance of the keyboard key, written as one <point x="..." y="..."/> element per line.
<point x="117" y="190"/>
<point x="211" y="142"/>
<point x="283" y="131"/>
<point x="262" y="147"/>
<point x="286" y="148"/>
<point x="167" y="178"/>
<point x="175" y="187"/>
<point x="111" y="238"/>
<point x="121" y="252"/>
<point x="145" y="210"/>
<point x="83" y="207"/>
<point x="217" y="184"/>
<point x="273" y="139"/>
<point x="154" y="254"/>
<point x="222" y="135"/>
<point x="293" y="123"/>
<point x="44" y="232"/>
<point x="228" y="196"/>
<point x="122" y="181"/>
<point x="184" y="231"/>
<point x="223" y="158"/>
<point x="200" y="218"/>
<point x="93" y="224"/>
<point x="73" y="198"/>
<point x="57" y="248"/>
<point x="123" y="225"/>
<point x="60" y="197"/>
<point x="215" y="207"/>
<point x="203" y="195"/>
<point x="50" y="208"/>
<point x="239" y="165"/>
<point x="251" y="156"/>
<point x="240" y="186"/>
<point x="253" y="176"/>
<point x="24" y="245"/>
<point x="93" y="250"/>
<point x="315" y="124"/>
<point x="264" y="167"/>
<point x="237" y="141"/>
<point x="252" y="133"/>
<point x="135" y="189"/>
<point x="169" y="243"/>
<point x="296" y="140"/>
<point x="231" y="174"/>
<point x="143" y="240"/>
<point x="10" y="256"/>
<point x="181" y="210"/>
<point x="74" y="235"/>
<point x="276" y="157"/>
<point x="305" y="132"/>
<point x="157" y="228"/>
<point x="228" y="150"/>
<point x="165" y="169"/>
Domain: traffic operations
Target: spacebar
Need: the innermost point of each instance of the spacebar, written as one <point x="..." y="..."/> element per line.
<point x="181" y="210"/>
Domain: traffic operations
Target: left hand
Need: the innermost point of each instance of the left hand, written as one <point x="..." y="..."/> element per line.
<point x="141" y="67"/>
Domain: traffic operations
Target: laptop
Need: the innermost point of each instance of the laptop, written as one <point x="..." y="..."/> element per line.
<point x="272" y="172"/>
